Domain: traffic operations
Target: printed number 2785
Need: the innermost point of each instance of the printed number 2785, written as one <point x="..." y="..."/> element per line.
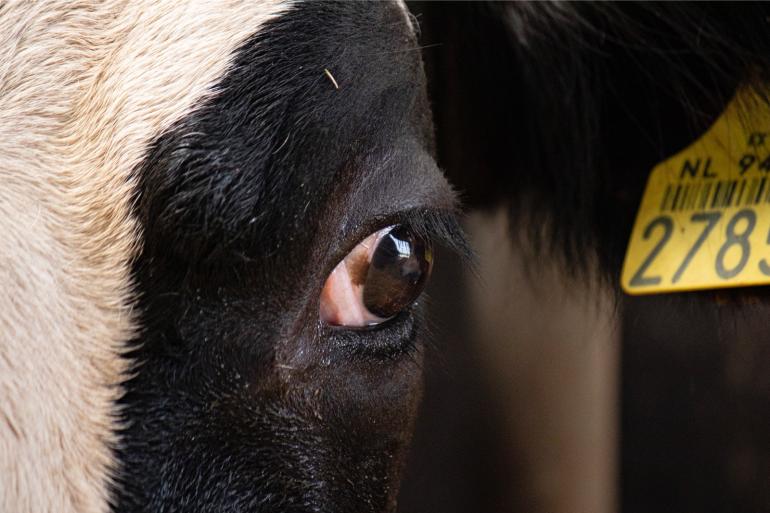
<point x="733" y="237"/>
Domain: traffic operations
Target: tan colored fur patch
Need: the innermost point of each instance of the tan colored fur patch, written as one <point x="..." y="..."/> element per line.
<point x="84" y="87"/>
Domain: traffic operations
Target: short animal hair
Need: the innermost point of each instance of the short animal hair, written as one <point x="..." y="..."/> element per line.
<point x="178" y="179"/>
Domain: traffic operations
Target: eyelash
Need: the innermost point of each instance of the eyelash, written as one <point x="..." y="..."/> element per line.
<point x="423" y="221"/>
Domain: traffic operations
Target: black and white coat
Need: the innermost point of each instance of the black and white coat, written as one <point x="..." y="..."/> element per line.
<point x="178" y="179"/>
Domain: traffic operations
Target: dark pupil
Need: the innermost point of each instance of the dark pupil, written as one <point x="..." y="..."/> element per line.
<point x="398" y="270"/>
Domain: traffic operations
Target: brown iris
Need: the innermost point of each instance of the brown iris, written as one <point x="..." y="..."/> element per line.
<point x="382" y="276"/>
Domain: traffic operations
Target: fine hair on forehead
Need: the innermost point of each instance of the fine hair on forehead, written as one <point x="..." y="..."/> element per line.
<point x="85" y="88"/>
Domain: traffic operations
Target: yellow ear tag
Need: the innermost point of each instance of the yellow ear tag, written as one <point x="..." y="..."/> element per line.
<point x="704" y="219"/>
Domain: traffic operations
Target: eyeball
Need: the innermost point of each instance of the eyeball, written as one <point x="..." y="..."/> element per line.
<point x="379" y="278"/>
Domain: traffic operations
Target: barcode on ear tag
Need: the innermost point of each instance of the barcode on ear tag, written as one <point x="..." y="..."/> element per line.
<point x="704" y="219"/>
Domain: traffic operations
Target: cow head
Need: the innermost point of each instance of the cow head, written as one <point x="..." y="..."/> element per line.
<point x="222" y="215"/>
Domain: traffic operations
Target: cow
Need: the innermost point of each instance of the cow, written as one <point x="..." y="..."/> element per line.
<point x="217" y="217"/>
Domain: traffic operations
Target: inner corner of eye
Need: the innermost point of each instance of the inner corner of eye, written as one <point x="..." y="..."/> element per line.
<point x="378" y="279"/>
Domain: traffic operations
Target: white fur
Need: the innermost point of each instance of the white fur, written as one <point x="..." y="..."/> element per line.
<point x="410" y="21"/>
<point x="84" y="86"/>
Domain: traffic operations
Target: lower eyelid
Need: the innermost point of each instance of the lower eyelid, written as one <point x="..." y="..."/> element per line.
<point x="393" y="337"/>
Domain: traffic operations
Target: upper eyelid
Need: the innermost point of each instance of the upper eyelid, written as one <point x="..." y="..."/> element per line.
<point x="400" y="184"/>
<point x="440" y="226"/>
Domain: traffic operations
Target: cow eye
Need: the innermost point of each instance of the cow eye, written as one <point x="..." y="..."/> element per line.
<point x="379" y="278"/>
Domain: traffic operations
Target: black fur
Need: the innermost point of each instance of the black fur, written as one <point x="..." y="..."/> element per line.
<point x="241" y="400"/>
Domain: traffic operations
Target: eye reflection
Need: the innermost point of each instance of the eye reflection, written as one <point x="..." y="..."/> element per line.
<point x="379" y="278"/>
